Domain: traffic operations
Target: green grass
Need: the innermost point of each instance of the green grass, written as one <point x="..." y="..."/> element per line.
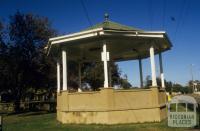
<point x="47" y="122"/>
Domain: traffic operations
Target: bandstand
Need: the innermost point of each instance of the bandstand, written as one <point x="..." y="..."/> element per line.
<point x="110" y="41"/>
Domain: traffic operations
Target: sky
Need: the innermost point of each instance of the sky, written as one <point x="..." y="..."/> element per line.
<point x="179" y="18"/>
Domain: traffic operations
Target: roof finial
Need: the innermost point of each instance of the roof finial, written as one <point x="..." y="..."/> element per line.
<point x="106" y="16"/>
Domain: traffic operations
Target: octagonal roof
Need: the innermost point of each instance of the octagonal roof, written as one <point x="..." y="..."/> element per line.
<point x="110" y="25"/>
<point x="123" y="42"/>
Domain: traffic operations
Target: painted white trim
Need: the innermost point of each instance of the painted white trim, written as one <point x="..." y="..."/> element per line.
<point x="48" y="51"/>
<point x="140" y="35"/>
<point x="137" y="32"/>
<point x="101" y="33"/>
<point x="155" y="36"/>
<point x="74" y="38"/>
<point x="154" y="32"/>
<point x="94" y="32"/>
<point x="75" y="34"/>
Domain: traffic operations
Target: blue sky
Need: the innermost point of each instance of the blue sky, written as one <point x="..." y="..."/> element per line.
<point x="68" y="16"/>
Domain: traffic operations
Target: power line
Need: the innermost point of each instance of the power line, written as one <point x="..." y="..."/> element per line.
<point x="150" y="14"/>
<point x="164" y="13"/>
<point x="185" y="14"/>
<point x="179" y="21"/>
<point x="86" y="13"/>
<point x="186" y="10"/>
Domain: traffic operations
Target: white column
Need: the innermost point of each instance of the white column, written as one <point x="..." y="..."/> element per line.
<point x="153" y="67"/>
<point x="105" y="58"/>
<point x="58" y="75"/>
<point x="110" y="75"/>
<point x="141" y="74"/>
<point x="64" y="62"/>
<point x="161" y="71"/>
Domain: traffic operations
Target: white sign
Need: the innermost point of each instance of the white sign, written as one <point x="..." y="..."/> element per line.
<point x="180" y="115"/>
<point x="105" y="56"/>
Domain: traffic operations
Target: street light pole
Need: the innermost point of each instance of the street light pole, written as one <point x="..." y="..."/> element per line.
<point x="191" y="71"/>
<point x="198" y="77"/>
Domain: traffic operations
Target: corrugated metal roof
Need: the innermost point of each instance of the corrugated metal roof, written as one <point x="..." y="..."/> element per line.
<point x="113" y="26"/>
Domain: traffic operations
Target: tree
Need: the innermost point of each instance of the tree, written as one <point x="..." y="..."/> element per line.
<point x="177" y="87"/>
<point x="29" y="66"/>
<point x="93" y="74"/>
<point x="3" y="61"/>
<point x="148" y="81"/>
<point x="24" y="66"/>
<point x="124" y="83"/>
<point x="186" y="90"/>
<point x="169" y="86"/>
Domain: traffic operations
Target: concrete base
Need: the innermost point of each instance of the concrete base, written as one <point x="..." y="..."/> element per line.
<point x="110" y="106"/>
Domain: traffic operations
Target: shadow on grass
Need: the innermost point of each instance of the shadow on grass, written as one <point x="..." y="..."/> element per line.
<point x="29" y="113"/>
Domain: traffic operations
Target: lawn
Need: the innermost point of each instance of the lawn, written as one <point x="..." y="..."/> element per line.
<point x="47" y="121"/>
